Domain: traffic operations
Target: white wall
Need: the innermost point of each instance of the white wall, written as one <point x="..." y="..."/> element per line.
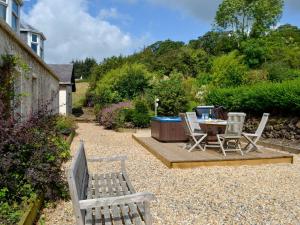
<point x="65" y="100"/>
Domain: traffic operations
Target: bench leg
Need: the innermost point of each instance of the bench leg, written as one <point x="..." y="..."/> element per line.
<point x="148" y="219"/>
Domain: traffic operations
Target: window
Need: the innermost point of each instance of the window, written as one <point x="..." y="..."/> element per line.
<point x="15" y="8"/>
<point x="15" y="15"/>
<point x="14" y="23"/>
<point x="3" y="7"/>
<point x="34" y="47"/>
<point x="34" y="38"/>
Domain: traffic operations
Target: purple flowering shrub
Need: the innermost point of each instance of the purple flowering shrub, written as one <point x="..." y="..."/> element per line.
<point x="32" y="153"/>
<point x="108" y="116"/>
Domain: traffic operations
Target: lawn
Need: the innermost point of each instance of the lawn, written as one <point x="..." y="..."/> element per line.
<point x="79" y="95"/>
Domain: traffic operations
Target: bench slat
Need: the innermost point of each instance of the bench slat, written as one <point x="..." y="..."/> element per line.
<point x="89" y="212"/>
<point x="124" y="209"/>
<point x="98" y="216"/>
<point x="103" y="193"/>
<point x="133" y="212"/>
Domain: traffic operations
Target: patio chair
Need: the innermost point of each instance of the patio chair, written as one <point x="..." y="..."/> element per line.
<point x="193" y="131"/>
<point x="230" y="141"/>
<point x="254" y="138"/>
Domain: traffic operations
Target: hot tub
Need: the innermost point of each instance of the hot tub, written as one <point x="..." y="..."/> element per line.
<point x="168" y="129"/>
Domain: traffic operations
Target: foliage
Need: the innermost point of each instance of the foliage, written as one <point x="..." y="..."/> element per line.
<point x="140" y="113"/>
<point x="245" y="17"/>
<point x="64" y="125"/>
<point x="32" y="154"/>
<point x="108" y="115"/>
<point x="171" y="94"/>
<point x="82" y="68"/>
<point x="228" y="70"/>
<point x="137" y="116"/>
<point x="275" y="98"/>
<point x="124" y="83"/>
<point x="216" y="42"/>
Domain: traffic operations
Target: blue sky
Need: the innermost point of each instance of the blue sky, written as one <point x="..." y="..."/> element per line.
<point x="127" y="25"/>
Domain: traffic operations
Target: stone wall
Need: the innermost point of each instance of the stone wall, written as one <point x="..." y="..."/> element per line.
<point x="277" y="127"/>
<point x="39" y="86"/>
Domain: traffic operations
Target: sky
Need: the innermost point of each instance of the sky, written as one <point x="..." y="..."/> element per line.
<point x="103" y="28"/>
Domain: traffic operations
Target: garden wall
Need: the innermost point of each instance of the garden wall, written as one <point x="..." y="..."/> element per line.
<point x="39" y="85"/>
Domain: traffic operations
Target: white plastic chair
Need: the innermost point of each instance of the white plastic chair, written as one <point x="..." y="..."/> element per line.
<point x="230" y="141"/>
<point x="192" y="130"/>
<point x="254" y="138"/>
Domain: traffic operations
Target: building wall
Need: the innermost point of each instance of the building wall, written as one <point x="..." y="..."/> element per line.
<point x="65" y="99"/>
<point x="39" y="86"/>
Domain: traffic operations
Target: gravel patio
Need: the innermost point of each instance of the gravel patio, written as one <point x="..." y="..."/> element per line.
<point x="267" y="194"/>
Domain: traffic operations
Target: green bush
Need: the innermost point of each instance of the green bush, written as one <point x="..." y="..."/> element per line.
<point x="64" y="125"/>
<point x="279" y="71"/>
<point x="140" y="115"/>
<point x="229" y="70"/>
<point x="171" y="94"/>
<point x="276" y="98"/>
<point x="124" y="83"/>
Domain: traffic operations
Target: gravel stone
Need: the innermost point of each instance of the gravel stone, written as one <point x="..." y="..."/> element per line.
<point x="268" y="194"/>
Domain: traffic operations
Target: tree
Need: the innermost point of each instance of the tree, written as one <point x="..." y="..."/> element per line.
<point x="216" y="42"/>
<point x="249" y="17"/>
<point x="83" y="68"/>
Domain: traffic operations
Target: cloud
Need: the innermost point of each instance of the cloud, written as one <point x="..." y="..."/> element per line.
<point x="204" y="10"/>
<point x="73" y="33"/>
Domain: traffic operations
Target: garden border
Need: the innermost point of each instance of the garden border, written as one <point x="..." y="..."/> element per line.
<point x="30" y="215"/>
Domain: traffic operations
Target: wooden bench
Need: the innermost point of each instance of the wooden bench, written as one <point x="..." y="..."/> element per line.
<point x="105" y="198"/>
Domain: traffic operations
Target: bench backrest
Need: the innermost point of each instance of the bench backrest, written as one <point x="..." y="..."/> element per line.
<point x="78" y="177"/>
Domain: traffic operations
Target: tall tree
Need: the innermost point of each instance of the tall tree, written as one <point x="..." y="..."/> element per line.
<point x="249" y="17"/>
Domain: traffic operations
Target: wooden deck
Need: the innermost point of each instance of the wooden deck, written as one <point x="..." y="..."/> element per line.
<point x="174" y="156"/>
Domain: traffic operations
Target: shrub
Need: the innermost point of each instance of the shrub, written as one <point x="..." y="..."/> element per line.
<point x="229" y="70"/>
<point x="124" y="83"/>
<point x="140" y="115"/>
<point x="171" y="94"/>
<point x="108" y="115"/>
<point x="64" y="125"/>
<point x="276" y="98"/>
<point x="32" y="153"/>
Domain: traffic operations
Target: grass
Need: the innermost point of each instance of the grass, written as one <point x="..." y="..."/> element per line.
<point x="79" y="95"/>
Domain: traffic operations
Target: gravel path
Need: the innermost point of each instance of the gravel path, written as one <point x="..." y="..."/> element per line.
<point x="267" y="194"/>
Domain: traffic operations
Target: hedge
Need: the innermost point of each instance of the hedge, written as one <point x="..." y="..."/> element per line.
<point x="275" y="98"/>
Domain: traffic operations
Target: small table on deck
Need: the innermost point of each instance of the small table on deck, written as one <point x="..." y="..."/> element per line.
<point x="213" y="127"/>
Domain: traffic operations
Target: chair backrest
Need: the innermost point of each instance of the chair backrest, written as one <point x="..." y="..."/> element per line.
<point x="262" y="124"/>
<point x="235" y="124"/>
<point x="78" y="177"/>
<point x="193" y="121"/>
<point x="185" y="124"/>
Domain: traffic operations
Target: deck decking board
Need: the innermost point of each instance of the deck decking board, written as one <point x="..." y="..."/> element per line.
<point x="174" y="156"/>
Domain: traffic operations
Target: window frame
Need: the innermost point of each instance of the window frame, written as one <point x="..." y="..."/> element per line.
<point x="5" y="4"/>
<point x="15" y="15"/>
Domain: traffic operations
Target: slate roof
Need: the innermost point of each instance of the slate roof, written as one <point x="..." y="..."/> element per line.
<point x="65" y="73"/>
<point x="27" y="27"/>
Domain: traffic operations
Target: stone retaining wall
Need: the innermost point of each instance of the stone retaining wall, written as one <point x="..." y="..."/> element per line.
<point x="277" y="127"/>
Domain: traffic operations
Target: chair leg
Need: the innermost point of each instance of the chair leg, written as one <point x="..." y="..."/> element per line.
<point x="253" y="144"/>
<point x="221" y="144"/>
<point x="198" y="144"/>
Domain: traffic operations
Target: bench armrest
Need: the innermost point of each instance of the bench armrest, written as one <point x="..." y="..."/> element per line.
<point x="110" y="201"/>
<point x="106" y="159"/>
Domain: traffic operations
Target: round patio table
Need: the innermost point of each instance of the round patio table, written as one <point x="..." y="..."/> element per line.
<point x="212" y="128"/>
